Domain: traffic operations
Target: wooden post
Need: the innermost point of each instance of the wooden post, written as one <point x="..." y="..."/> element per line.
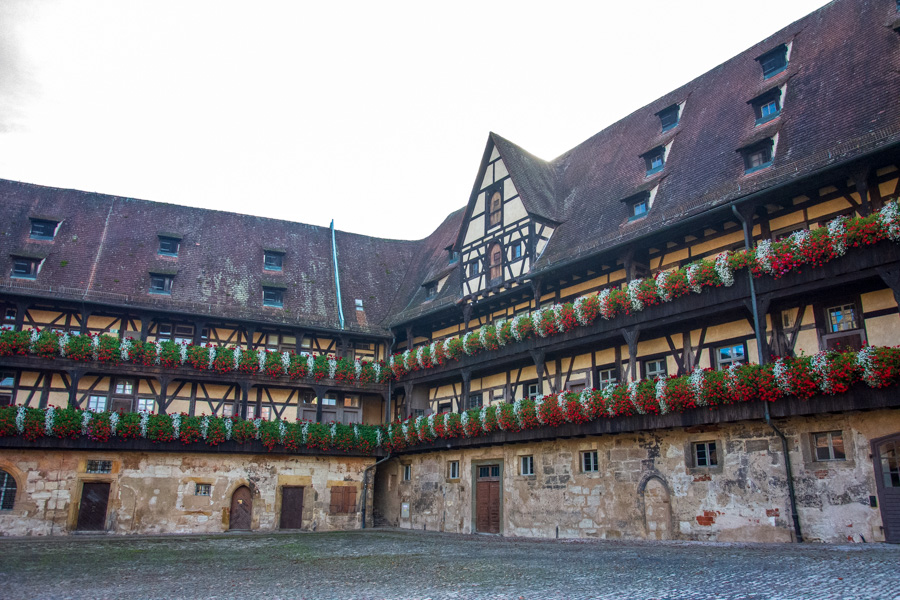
<point x="631" y="338"/>
<point x="536" y="292"/>
<point x="74" y="377"/>
<point x="762" y="306"/>
<point x="245" y="394"/>
<point x="320" y="391"/>
<point x="861" y="182"/>
<point x="198" y="332"/>
<point x="467" y="316"/>
<point x="464" y="396"/>
<point x="408" y="388"/>
<point x="387" y="405"/>
<point x="409" y="337"/>
<point x="145" y="327"/>
<point x="538" y="356"/>
<point x="85" y="316"/>
<point x="162" y="399"/>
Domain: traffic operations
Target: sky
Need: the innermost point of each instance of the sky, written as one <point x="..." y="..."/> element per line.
<point x="374" y="114"/>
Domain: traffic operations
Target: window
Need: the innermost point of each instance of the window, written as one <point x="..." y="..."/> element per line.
<point x="351" y="401"/>
<point x="532" y="390"/>
<point x="496" y="208"/>
<point x="495" y="258"/>
<point x="517" y="250"/>
<point x="161" y="284"/>
<point x="97" y="403"/>
<point x="474" y="269"/>
<point x="475" y="401"/>
<point x="454" y="256"/>
<point x="25" y="268"/>
<point x="359" y="304"/>
<point x="669" y="116"/>
<point x="146" y="404"/>
<point x="842" y="318"/>
<point x="829" y="445"/>
<point x="758" y="156"/>
<point x="265" y="413"/>
<point x="526" y="466"/>
<point x="168" y="246"/>
<point x="705" y="454"/>
<point x="489" y="471"/>
<point x="774" y="61"/>
<point x="7" y="491"/>
<point x="655" y="368"/>
<point x="655" y="160"/>
<point x="272" y="260"/>
<point x="638" y="205"/>
<point x="43" y="229"/>
<point x="124" y="386"/>
<point x="430" y="291"/>
<point x="7" y="379"/>
<point x="202" y="489"/>
<point x="343" y="499"/>
<point x="453" y="469"/>
<point x="99" y="466"/>
<point x="731" y="355"/>
<point x="273" y="297"/>
<point x="606" y="378"/>
<point x="767" y="106"/>
<point x="10" y="314"/>
<point x="228" y="410"/>
<point x="407" y="472"/>
<point x="589" y="462"/>
<point x="444" y="407"/>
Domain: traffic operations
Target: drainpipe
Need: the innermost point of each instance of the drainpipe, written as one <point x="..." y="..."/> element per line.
<point x="366" y="487"/>
<point x="337" y="277"/>
<point x="759" y="350"/>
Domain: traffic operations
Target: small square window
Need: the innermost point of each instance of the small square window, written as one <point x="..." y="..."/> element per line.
<point x="7" y="379"/>
<point x="589" y="463"/>
<point x="638" y="208"/>
<point x="655" y="368"/>
<point x="10" y="314"/>
<point x="526" y="465"/>
<point x="774" y="61"/>
<point x="43" y="229"/>
<point x="655" y="160"/>
<point x="730" y="355"/>
<point x="359" y="304"/>
<point x="444" y="407"/>
<point x="273" y="297"/>
<point x="97" y="403"/>
<point x="532" y="390"/>
<point x="705" y="454"/>
<point x="767" y="106"/>
<point x="430" y="291"/>
<point x="124" y="386"/>
<point x="99" y="466"/>
<point x="168" y="246"/>
<point x="453" y="469"/>
<point x="829" y="445"/>
<point x="146" y="404"/>
<point x="161" y="284"/>
<point x="474" y="269"/>
<point x="496" y="209"/>
<point x="454" y="256"/>
<point x="517" y="250"/>
<point x="407" y="472"/>
<point x="668" y="117"/>
<point x="842" y="318"/>
<point x="272" y="261"/>
<point x="25" y="268"/>
<point x="606" y="378"/>
<point x="202" y="489"/>
<point x="758" y="156"/>
<point x="475" y="401"/>
<point x="227" y="410"/>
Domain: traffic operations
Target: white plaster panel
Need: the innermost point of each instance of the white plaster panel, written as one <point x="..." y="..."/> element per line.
<point x="495" y="154"/>
<point x="479" y="204"/>
<point x="475" y="231"/>
<point x="514" y="209"/>
<point x="488" y="177"/>
<point x="500" y="170"/>
<point x="509" y="189"/>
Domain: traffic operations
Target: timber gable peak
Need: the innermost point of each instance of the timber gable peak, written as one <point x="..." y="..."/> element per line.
<point x="500" y="237"/>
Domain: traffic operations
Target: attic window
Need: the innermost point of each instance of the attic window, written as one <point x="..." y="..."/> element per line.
<point x="25" y="268"/>
<point x="43" y="229"/>
<point x="454" y="256"/>
<point x="638" y="205"/>
<point x="273" y="260"/>
<point x="359" y="304"/>
<point x="168" y="246"/>
<point x="758" y="156"/>
<point x="430" y="290"/>
<point x="767" y="106"/>
<point x="655" y="160"/>
<point x="273" y="297"/>
<point x="161" y="284"/>
<point x="774" y="61"/>
<point x="668" y="117"/>
<point x="496" y="208"/>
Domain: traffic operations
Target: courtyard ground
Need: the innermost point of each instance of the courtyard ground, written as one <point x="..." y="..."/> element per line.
<point x="394" y="564"/>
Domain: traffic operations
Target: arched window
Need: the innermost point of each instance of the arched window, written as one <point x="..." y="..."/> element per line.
<point x="495" y="259"/>
<point x="496" y="208"/>
<point x="7" y="491"/>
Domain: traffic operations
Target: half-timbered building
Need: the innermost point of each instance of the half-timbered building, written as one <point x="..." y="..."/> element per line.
<point x="797" y="133"/>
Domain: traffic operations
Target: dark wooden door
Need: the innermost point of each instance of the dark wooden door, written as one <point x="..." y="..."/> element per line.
<point x="291" y="507"/>
<point x="92" y="511"/>
<point x="241" y="509"/>
<point x="887" y="477"/>
<point x="487" y="499"/>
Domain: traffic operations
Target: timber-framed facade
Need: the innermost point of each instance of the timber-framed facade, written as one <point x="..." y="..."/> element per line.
<point x="794" y="134"/>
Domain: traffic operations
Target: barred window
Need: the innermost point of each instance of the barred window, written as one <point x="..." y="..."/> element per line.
<point x="99" y="466"/>
<point x="7" y="491"/>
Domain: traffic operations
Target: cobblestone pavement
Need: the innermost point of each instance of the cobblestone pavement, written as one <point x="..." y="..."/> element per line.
<point x="394" y="564"/>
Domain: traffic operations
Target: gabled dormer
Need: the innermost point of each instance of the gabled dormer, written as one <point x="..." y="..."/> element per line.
<point x="508" y="221"/>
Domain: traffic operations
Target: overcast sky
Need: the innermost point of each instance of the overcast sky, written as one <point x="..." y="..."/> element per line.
<point x="374" y="114"/>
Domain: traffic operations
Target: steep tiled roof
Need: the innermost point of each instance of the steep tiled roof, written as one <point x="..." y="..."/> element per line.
<point x="534" y="178"/>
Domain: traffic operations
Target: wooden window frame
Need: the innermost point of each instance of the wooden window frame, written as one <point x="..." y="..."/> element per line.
<point x="495" y="250"/>
<point x="171" y="241"/>
<point x="650" y="158"/>
<point x="774" y="61"/>
<point x="590" y="462"/>
<point x="822" y="312"/>
<point x="602" y="384"/>
<point x="494" y="215"/>
<point x="161" y="284"/>
<point x="648" y="359"/>
<point x="829" y="437"/>
<point x="98" y="466"/>
<point x="273" y="297"/>
<point x="706" y="446"/>
<point x="202" y="489"/>
<point x="407" y="472"/>
<point x="37" y="225"/>
<point x="343" y="500"/>
<point x="526" y="465"/>
<point x="273" y="260"/>
<point x="28" y="268"/>
<point x="765" y="149"/>
<point x="452" y="470"/>
<point x="674" y="111"/>
<point x="9" y="487"/>
<point x="764" y="100"/>
<point x="715" y="358"/>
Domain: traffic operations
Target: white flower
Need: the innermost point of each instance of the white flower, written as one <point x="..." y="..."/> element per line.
<point x="517" y="320"/>
<point x="85" y="421"/>
<point x="661" y="291"/>
<point x="256" y="423"/>
<point x="431" y="430"/>
<point x="499" y="326"/>
<point x="357" y="367"/>
<point x="446" y="421"/>
<point x="158" y="346"/>
<point x="145" y="421"/>
<point x="262" y="354"/>
<point x="282" y="430"/>
<point x="482" y="336"/>
<point x="212" y="357"/>
<point x="764" y="256"/>
<point x="228" y="427"/>
<point x="889" y="217"/>
<point x="125" y="350"/>
<point x="377" y="368"/>
<point x="304" y="431"/>
<point x="466" y="339"/>
<point x="420" y="423"/>
<point x="420" y="357"/>
<point x="433" y="349"/>
<point x="95" y="347"/>
<point x="537" y="319"/>
<point x="661" y="395"/>
<point x="311" y="364"/>
<point x="563" y="403"/>
<point x="482" y="416"/>
<point x="285" y="361"/>
<point x="585" y="399"/>
<point x="204" y="426"/>
<point x="447" y="346"/>
<point x="698" y="385"/>
<point x="781" y="377"/>
<point x="113" y="422"/>
<point x="332" y="431"/>
<point x="404" y="427"/>
<point x="580" y="315"/>
<point x="332" y="367"/>
<point x="34" y="338"/>
<point x="49" y="418"/>
<point x="837" y="231"/>
<point x="237" y="357"/>
<point x="632" y="395"/>
<point x="732" y="379"/>
<point x="723" y="269"/>
<point x="604" y="304"/>
<point x="176" y="424"/>
<point x="633" y="289"/>
<point x="517" y="410"/>
<point x="865" y="358"/>
<point x="821" y="364"/>
<point x="464" y="419"/>
<point x="377" y="438"/>
<point x="20" y="419"/>
<point x="404" y="358"/>
<point x="183" y="353"/>
<point x="692" y="271"/>
<point x="63" y="342"/>
<point x="538" y="403"/>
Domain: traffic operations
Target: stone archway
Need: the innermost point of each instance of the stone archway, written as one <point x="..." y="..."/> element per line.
<point x="653" y="493"/>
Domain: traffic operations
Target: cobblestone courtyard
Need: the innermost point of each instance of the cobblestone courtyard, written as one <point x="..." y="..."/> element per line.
<point x="391" y="564"/>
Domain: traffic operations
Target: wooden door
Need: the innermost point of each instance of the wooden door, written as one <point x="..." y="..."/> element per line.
<point x="487" y="499"/>
<point x="92" y="511"/>
<point x="241" y="509"/>
<point x="886" y="455"/>
<point x="291" y="507"/>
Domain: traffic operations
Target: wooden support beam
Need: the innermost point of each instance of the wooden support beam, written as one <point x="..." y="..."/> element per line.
<point x="320" y="391"/>
<point x="631" y="336"/>
<point x="161" y="399"/>
<point x="536" y="285"/>
<point x="861" y="182"/>
<point x="466" y="375"/>
<point x="75" y="376"/>
<point x="891" y="278"/>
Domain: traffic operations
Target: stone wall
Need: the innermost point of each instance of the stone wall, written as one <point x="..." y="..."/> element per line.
<point x="156" y="492"/>
<point x="647" y="486"/>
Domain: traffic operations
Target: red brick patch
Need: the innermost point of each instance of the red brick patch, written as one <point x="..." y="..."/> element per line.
<point x="703" y="477"/>
<point x="772" y="512"/>
<point x="822" y="473"/>
<point x="706" y="521"/>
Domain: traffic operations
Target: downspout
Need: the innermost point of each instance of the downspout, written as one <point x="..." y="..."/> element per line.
<point x="337" y="276"/>
<point x="759" y="350"/>
<point x="366" y="486"/>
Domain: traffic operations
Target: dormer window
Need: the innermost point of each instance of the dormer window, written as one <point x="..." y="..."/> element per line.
<point x="273" y="296"/>
<point x="168" y="245"/>
<point x="758" y="156"/>
<point x="496" y="208"/>
<point x="639" y="204"/>
<point x="454" y="256"/>
<point x="669" y="116"/>
<point x="430" y="290"/>
<point x="161" y="283"/>
<point x="655" y="160"/>
<point x="639" y="209"/>
<point x="359" y="304"/>
<point x="43" y="229"/>
<point x="767" y="106"/>
<point x="273" y="260"/>
<point x="774" y="61"/>
<point x="25" y="267"/>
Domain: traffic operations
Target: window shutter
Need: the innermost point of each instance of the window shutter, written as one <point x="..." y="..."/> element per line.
<point x="337" y="499"/>
<point x="349" y="499"/>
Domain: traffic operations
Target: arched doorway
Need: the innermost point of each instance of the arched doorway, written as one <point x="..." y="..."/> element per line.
<point x="657" y="509"/>
<point x="241" y="509"/>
